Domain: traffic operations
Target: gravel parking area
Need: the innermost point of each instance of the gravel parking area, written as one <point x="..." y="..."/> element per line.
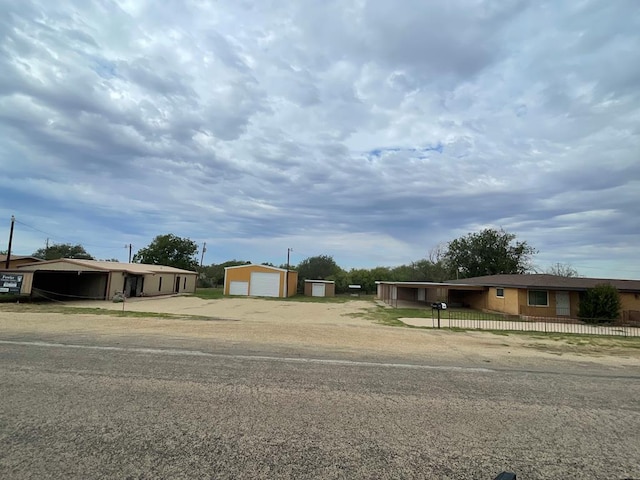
<point x="338" y="329"/>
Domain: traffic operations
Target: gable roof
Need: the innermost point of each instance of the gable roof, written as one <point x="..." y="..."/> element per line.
<point x="250" y="265"/>
<point x="551" y="282"/>
<point x="3" y="258"/>
<point x="133" y="268"/>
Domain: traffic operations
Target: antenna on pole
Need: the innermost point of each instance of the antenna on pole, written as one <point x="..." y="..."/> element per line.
<point x="204" y="249"/>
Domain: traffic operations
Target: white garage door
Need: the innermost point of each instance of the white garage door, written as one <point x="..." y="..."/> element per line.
<point x="317" y="289"/>
<point x="265" y="284"/>
<point x="239" y="288"/>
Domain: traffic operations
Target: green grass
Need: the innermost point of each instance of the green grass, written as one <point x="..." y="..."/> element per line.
<point x="337" y="299"/>
<point x="217" y="293"/>
<point x="587" y="340"/>
<point x="65" y="310"/>
<point x="209" y="293"/>
<point x="389" y="316"/>
<point x="12" y="298"/>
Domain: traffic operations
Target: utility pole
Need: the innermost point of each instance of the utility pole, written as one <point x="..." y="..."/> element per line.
<point x="204" y="249"/>
<point x="13" y="221"/>
<point x="130" y="247"/>
<point x="286" y="275"/>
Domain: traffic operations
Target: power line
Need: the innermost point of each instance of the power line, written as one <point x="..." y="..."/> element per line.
<point x="65" y="240"/>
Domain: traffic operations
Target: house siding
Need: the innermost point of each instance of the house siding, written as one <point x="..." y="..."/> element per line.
<point x="630" y="301"/>
<point x="506" y="304"/>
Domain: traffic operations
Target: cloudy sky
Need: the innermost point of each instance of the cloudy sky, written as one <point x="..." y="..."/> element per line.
<point x="370" y="130"/>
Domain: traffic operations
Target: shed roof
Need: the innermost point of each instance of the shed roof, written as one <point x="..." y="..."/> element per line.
<point x="98" y="265"/>
<point x="319" y="281"/>
<point x="552" y="282"/>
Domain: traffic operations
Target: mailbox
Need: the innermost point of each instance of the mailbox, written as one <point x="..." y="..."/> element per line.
<point x="439" y="306"/>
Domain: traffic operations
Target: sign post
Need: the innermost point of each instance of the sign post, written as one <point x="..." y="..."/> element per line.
<point x="11" y="283"/>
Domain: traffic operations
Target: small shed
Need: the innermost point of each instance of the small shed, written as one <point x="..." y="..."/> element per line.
<point x="260" y="281"/>
<point x="319" y="288"/>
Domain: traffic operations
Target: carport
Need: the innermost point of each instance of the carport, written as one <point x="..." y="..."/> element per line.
<point x="423" y="294"/>
<point x="63" y="285"/>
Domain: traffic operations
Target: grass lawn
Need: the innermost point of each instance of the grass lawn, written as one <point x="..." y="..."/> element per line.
<point x="209" y="293"/>
<point x="216" y="293"/>
<point x="337" y="299"/>
<point x="46" y="307"/>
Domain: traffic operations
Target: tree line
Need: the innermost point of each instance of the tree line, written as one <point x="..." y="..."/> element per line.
<point x="488" y="252"/>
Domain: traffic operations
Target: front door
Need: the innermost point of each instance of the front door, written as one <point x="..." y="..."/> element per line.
<point x="563" y="304"/>
<point x="177" y="284"/>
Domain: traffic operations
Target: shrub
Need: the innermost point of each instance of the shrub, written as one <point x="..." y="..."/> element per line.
<point x="600" y="304"/>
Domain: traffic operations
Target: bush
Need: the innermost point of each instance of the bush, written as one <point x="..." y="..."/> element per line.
<point x="600" y="304"/>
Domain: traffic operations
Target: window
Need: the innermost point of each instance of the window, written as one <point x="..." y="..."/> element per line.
<point x="499" y="292"/>
<point x="538" y="298"/>
<point x="160" y="284"/>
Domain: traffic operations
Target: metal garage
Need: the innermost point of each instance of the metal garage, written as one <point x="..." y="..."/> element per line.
<point x="260" y="281"/>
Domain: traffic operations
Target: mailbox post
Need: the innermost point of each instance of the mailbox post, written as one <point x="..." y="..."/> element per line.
<point x="438" y="306"/>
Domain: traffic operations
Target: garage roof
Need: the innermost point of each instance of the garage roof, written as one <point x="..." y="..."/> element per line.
<point x="101" y="266"/>
<point x="250" y="265"/>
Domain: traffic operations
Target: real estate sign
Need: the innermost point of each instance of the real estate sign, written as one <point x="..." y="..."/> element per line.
<point x="10" y="282"/>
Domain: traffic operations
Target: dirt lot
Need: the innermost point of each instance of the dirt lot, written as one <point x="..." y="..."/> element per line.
<point x="323" y="328"/>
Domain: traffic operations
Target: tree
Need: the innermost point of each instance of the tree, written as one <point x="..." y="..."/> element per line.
<point x="600" y="304"/>
<point x="169" y="250"/>
<point x="562" y="270"/>
<point x="320" y="267"/>
<point x="488" y="252"/>
<point x="213" y="275"/>
<point x="62" y="250"/>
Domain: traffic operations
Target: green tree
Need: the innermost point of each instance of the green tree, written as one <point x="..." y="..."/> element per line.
<point x="169" y="250"/>
<point x="488" y="252"/>
<point x="342" y="279"/>
<point x="364" y="278"/>
<point x="317" y="268"/>
<point x="213" y="275"/>
<point x="600" y="304"/>
<point x="320" y="267"/>
<point x="62" y="250"/>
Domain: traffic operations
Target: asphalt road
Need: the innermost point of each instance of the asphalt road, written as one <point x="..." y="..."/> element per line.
<point x="93" y="410"/>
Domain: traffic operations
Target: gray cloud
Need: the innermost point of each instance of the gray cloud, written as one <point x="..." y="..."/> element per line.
<point x="364" y="129"/>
